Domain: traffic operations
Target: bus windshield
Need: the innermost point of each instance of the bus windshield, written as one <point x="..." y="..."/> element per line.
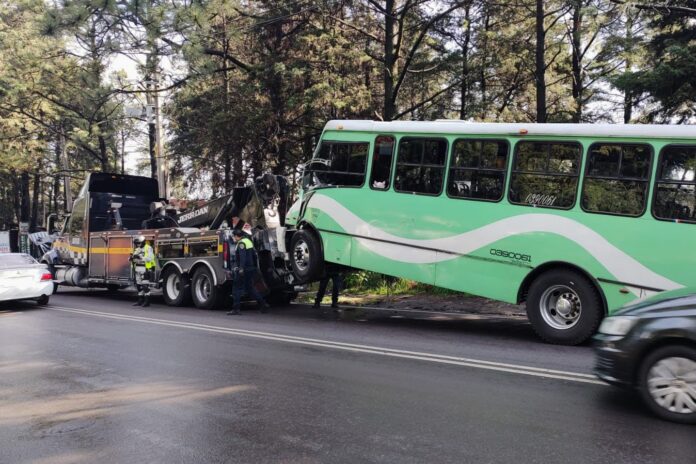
<point x="337" y="164"/>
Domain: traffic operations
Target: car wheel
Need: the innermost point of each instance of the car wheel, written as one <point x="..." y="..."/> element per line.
<point x="667" y="383"/>
<point x="42" y="300"/>
<point x="564" y="307"/>
<point x="175" y="289"/>
<point x="203" y="289"/>
<point x="306" y="257"/>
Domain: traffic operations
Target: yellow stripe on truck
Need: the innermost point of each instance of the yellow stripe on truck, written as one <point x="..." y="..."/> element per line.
<point x="111" y="251"/>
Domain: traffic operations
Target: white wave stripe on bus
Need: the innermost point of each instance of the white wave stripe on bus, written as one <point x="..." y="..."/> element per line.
<point x="622" y="266"/>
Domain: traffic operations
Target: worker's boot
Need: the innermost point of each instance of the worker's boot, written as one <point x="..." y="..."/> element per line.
<point x="146" y="301"/>
<point x="317" y="304"/>
<point x="141" y="300"/>
<point x="234" y="312"/>
<point x="334" y="304"/>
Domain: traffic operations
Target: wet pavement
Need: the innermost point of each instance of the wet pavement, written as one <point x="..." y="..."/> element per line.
<point x="91" y="379"/>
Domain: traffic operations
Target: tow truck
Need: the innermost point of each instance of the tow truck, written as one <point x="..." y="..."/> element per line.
<point x="192" y="250"/>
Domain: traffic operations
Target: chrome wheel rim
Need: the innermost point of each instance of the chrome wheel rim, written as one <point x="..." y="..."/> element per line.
<point x="561" y="307"/>
<point x="672" y="384"/>
<point x="301" y="254"/>
<point x="173" y="285"/>
<point x="203" y="288"/>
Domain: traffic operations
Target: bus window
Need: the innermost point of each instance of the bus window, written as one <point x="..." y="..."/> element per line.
<point x="477" y="169"/>
<point x="545" y="174"/>
<point x="675" y="192"/>
<point x="382" y="162"/>
<point x="338" y="164"/>
<point x="616" y="179"/>
<point x="420" y="165"/>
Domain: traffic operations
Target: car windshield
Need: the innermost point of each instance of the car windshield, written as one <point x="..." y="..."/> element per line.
<point x="9" y="260"/>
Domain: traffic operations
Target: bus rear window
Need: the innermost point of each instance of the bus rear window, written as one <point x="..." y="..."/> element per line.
<point x="675" y="190"/>
<point x="338" y="164"/>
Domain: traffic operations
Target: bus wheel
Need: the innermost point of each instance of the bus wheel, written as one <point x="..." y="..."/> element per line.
<point x="174" y="288"/>
<point x="564" y="307"/>
<point x="306" y="257"/>
<point x="203" y="289"/>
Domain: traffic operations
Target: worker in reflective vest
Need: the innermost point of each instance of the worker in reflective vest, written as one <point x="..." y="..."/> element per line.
<point x="144" y="264"/>
<point x="244" y="270"/>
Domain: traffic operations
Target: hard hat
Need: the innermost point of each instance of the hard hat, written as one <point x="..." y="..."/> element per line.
<point x="139" y="239"/>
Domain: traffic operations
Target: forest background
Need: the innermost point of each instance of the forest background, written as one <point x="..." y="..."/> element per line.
<point x="246" y="86"/>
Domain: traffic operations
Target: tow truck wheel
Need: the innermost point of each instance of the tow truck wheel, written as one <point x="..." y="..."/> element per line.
<point x="175" y="290"/>
<point x="306" y="256"/>
<point x="203" y="289"/>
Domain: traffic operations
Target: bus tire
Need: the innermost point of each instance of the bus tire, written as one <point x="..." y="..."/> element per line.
<point x="306" y="257"/>
<point x="175" y="290"/>
<point x="564" y="307"/>
<point x="203" y="290"/>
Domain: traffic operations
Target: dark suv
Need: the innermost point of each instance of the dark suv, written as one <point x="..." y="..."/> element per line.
<point x="651" y="346"/>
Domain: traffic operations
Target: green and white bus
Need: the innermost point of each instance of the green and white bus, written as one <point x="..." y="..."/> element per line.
<point x="575" y="220"/>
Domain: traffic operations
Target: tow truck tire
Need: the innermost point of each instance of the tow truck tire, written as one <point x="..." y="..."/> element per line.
<point x="306" y="256"/>
<point x="175" y="289"/>
<point x="564" y="307"/>
<point x="203" y="290"/>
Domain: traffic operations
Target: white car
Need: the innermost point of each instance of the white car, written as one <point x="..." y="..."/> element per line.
<point x="23" y="278"/>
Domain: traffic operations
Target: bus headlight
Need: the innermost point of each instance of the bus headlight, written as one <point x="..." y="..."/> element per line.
<point x="617" y="325"/>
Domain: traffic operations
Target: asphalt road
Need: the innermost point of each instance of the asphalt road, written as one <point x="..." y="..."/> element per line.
<point x="91" y="379"/>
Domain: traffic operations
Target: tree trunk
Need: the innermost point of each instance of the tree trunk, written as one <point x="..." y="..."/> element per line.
<point x="463" y="109"/>
<point x="484" y="55"/>
<point x="16" y="198"/>
<point x="576" y="36"/>
<point x="34" y="219"/>
<point x="103" y="154"/>
<point x="628" y="96"/>
<point x="540" y="68"/>
<point x="56" y="178"/>
<point x="24" y="197"/>
<point x="389" y="60"/>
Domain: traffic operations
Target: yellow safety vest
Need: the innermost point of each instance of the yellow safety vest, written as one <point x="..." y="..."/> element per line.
<point x="248" y="244"/>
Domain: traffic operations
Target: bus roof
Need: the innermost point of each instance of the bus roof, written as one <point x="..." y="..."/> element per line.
<point x="527" y="129"/>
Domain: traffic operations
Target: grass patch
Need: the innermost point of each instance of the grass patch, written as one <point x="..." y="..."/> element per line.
<point x="364" y="287"/>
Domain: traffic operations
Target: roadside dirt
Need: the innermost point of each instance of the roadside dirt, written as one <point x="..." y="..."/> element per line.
<point x="428" y="302"/>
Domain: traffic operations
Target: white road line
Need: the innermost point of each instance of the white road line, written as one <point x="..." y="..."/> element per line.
<point x="432" y="357"/>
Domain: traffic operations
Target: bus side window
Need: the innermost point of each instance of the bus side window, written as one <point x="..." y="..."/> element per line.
<point x="675" y="189"/>
<point x="616" y="179"/>
<point x="382" y="162"/>
<point x="545" y="174"/>
<point x="420" y="166"/>
<point x="477" y="169"/>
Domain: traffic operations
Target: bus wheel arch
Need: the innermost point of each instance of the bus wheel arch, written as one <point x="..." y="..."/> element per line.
<point x="565" y="305"/>
<point x="176" y="285"/>
<point x="306" y="254"/>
